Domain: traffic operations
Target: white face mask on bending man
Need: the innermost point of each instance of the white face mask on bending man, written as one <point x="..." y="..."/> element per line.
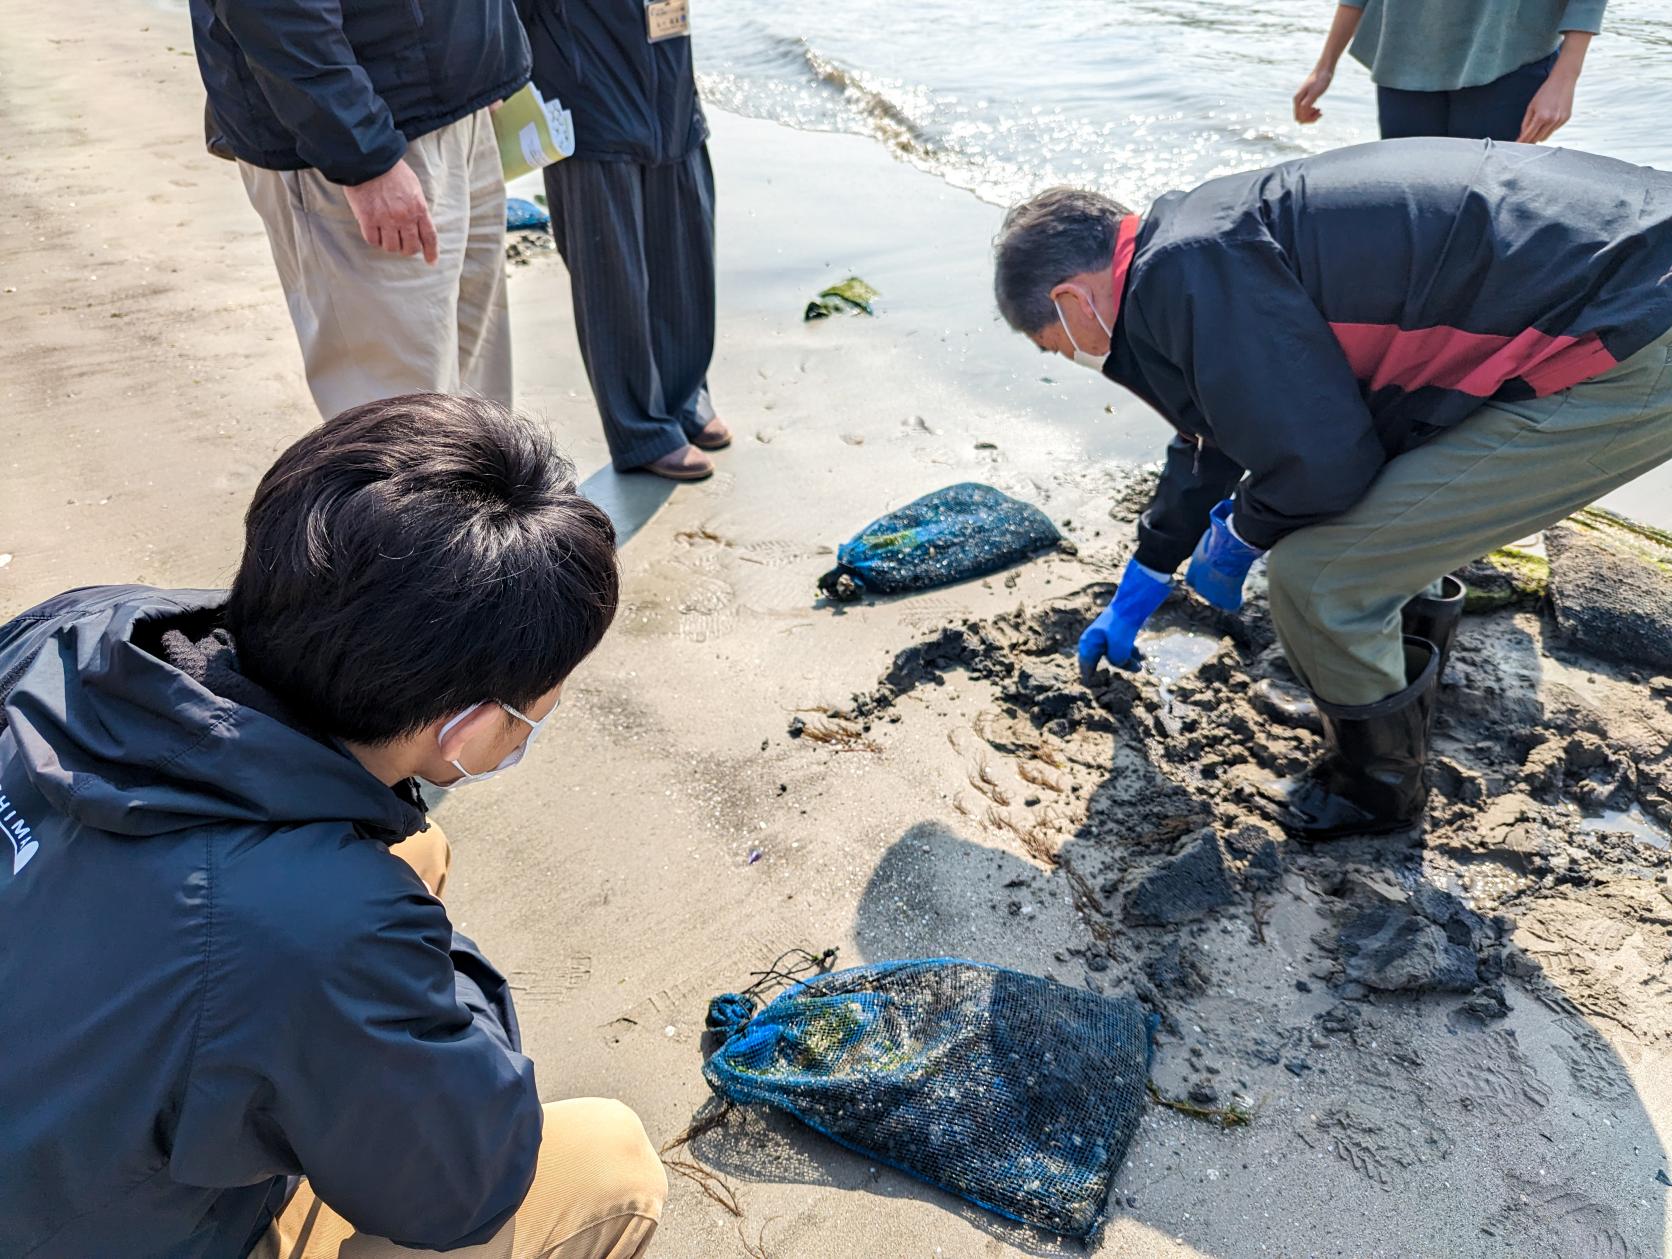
<point x="1084" y="359"/>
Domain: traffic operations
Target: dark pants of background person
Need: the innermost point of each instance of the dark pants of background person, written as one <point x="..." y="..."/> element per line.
<point x="1492" y="111"/>
<point x="639" y="244"/>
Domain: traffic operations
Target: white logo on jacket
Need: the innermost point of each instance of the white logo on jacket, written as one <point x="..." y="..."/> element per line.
<point x="15" y="828"/>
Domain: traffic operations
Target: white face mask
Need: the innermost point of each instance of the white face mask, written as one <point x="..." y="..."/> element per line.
<point x="1093" y="361"/>
<point x="511" y="758"/>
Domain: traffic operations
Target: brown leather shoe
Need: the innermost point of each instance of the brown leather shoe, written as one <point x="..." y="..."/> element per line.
<point x="685" y="464"/>
<point x="713" y="436"/>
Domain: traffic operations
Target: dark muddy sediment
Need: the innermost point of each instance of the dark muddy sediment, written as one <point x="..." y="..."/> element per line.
<point x="1373" y="975"/>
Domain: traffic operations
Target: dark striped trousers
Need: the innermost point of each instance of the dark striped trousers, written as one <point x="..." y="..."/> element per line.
<point x="639" y="244"/>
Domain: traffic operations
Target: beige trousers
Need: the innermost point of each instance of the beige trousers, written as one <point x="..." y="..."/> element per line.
<point x="597" y="1192"/>
<point x="373" y="324"/>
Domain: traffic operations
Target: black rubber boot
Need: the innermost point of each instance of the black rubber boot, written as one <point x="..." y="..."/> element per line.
<point x="1435" y="617"/>
<point x="1370" y="780"/>
<point x="1432" y="617"/>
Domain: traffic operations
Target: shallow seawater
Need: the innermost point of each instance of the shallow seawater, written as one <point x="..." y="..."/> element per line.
<point x="1633" y="822"/>
<point x="1132" y="99"/>
<point x="1171" y="654"/>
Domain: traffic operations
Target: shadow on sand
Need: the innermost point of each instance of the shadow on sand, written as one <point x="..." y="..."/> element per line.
<point x="1483" y="1115"/>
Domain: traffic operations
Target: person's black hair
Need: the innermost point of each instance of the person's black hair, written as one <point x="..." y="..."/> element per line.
<point x="1049" y="238"/>
<point x="414" y="556"/>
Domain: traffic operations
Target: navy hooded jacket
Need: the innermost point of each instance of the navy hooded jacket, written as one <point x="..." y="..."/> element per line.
<point x="633" y="101"/>
<point x="216" y="975"/>
<point x="342" y="85"/>
<point x="1306" y="323"/>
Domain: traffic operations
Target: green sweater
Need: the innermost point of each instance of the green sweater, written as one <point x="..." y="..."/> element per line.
<point x="1441" y="45"/>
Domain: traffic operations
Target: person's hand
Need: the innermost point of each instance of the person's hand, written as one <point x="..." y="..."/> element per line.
<point x="1550" y="108"/>
<point x="1114" y="634"/>
<point x="429" y="854"/>
<point x="393" y="214"/>
<point x="1221" y="562"/>
<point x="1306" y="100"/>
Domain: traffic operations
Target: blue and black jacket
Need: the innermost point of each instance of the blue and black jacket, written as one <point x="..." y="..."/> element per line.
<point x="344" y="86"/>
<point x="215" y="974"/>
<point x="1300" y="326"/>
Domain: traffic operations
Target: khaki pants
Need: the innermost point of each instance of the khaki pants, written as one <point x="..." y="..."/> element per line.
<point x="373" y="324"/>
<point x="1509" y="470"/>
<point x="597" y="1192"/>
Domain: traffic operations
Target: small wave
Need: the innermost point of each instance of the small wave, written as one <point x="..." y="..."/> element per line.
<point x="1001" y="147"/>
<point x="881" y="106"/>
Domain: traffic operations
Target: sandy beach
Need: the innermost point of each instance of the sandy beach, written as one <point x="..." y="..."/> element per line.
<point x="148" y="375"/>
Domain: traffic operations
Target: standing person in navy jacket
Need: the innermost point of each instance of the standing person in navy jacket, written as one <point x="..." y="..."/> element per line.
<point x="1380" y="364"/>
<point x="633" y="216"/>
<point x="363" y="135"/>
<point x="237" y="1020"/>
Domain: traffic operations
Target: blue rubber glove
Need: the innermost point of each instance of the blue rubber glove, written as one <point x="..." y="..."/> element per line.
<point x="1112" y="635"/>
<point x="1221" y="562"/>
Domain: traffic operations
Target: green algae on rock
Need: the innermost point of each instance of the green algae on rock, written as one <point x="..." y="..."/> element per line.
<point x="1508" y="577"/>
<point x="851" y="297"/>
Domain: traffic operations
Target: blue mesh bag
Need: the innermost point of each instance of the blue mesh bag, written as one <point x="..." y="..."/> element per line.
<point x="522" y="215"/>
<point x="1014" y="1092"/>
<point x="963" y="531"/>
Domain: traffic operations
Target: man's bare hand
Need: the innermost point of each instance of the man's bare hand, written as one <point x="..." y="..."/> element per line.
<point x="393" y="214"/>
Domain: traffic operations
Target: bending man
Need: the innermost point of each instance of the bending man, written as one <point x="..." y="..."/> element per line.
<point x="1380" y="363"/>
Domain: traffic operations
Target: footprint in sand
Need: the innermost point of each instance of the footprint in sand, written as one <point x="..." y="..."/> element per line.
<point x="1556" y="1220"/>
<point x="707" y="609"/>
<point x="931" y="612"/>
<point x="554" y="984"/>
<point x="775" y="576"/>
<point x="1592" y="1063"/>
<point x="1487" y="1074"/>
<point x="720" y="485"/>
<point x="1379" y="1145"/>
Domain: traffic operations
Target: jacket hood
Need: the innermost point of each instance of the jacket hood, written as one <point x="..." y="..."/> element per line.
<point x="118" y="738"/>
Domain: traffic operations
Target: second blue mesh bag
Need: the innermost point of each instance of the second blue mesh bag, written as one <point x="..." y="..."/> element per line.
<point x="1017" y="1093"/>
<point x="963" y="531"/>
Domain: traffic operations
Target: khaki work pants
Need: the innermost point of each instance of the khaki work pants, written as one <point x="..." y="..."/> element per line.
<point x="1507" y="471"/>
<point x="373" y="324"/>
<point x="597" y="1192"/>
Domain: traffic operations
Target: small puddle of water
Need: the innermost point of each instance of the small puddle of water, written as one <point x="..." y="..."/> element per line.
<point x="1633" y="822"/>
<point x="1171" y="654"/>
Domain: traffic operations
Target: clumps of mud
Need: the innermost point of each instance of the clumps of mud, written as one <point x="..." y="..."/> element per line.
<point x="1344" y="970"/>
<point x="1182" y="888"/>
<point x="1396" y="950"/>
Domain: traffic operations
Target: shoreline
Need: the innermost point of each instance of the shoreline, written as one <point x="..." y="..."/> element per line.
<point x="149" y="375"/>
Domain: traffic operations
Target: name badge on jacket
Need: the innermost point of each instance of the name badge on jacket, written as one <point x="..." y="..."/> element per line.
<point x="667" y="19"/>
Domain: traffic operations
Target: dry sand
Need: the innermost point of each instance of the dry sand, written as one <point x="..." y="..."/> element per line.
<point x="148" y="375"/>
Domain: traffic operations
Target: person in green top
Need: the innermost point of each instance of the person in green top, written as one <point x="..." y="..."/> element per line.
<point x="1478" y="69"/>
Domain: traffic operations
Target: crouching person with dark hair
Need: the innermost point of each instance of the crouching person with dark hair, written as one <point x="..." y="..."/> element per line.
<point x="237" y="1020"/>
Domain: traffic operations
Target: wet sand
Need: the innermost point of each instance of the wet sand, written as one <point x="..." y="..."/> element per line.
<point x="149" y="375"/>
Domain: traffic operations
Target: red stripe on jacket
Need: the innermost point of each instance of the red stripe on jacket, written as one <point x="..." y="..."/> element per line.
<point x="1474" y="363"/>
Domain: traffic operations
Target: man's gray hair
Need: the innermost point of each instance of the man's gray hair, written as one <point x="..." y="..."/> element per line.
<point x="1060" y="233"/>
